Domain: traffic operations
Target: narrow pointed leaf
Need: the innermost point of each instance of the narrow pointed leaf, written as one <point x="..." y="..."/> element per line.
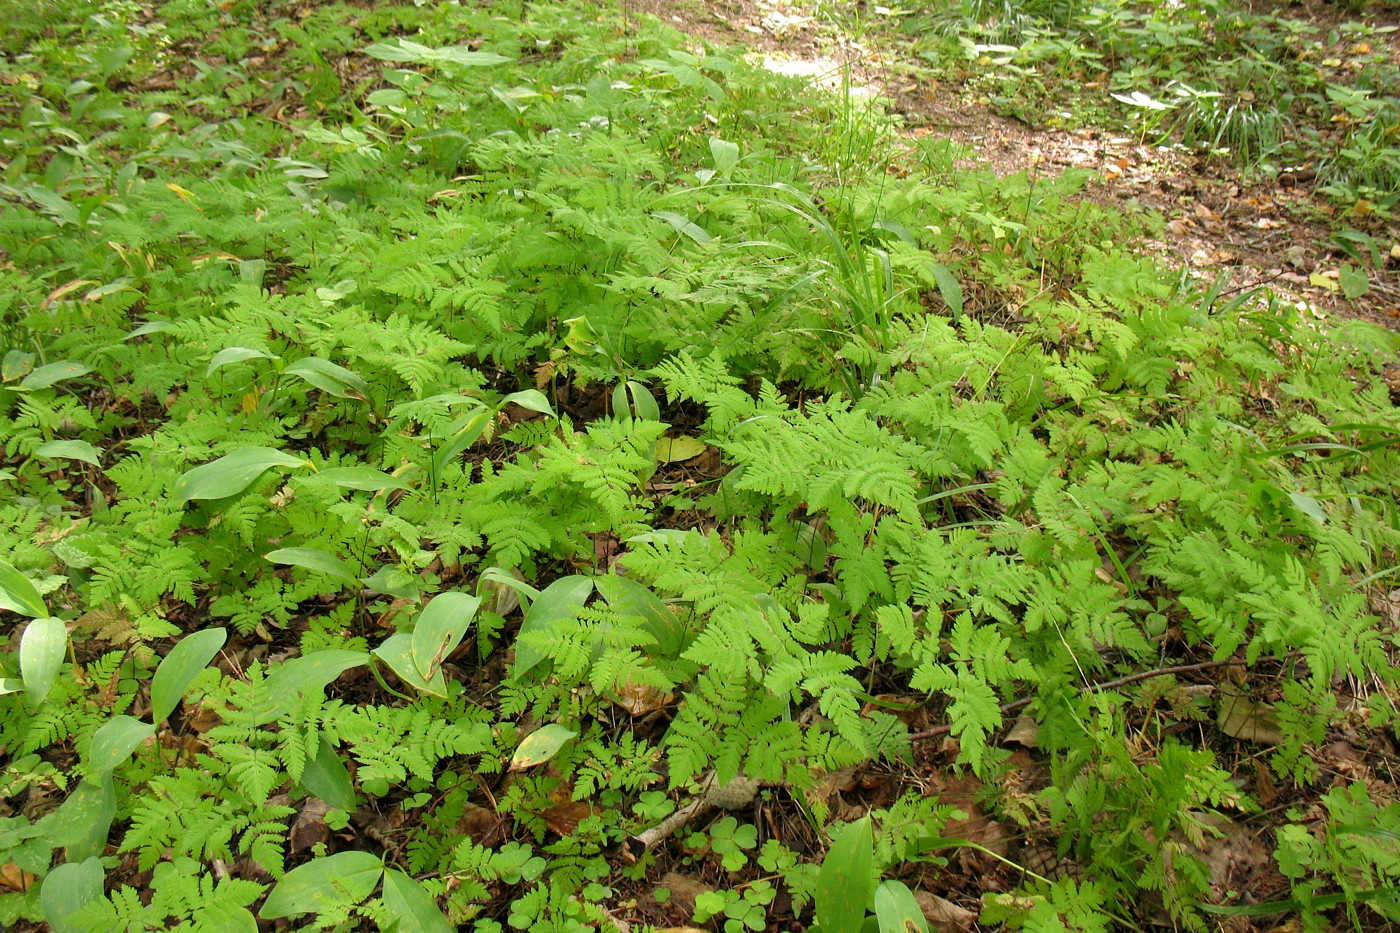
<point x="18" y="593"/>
<point x="70" y="450"/>
<point x="181" y="666"/>
<point x="440" y="629"/>
<point x="410" y="905"/>
<point x="41" y="650"/>
<point x="463" y="434"/>
<point x="366" y="479"/>
<point x="329" y="378"/>
<point x="345" y="877"/>
<point x="315" y="560"/>
<point x="631" y="598"/>
<point x="231" y="474"/>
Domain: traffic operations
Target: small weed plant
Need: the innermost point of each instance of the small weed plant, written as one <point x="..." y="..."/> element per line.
<point x="445" y="446"/>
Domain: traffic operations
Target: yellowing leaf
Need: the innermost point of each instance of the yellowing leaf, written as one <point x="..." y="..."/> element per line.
<point x="676" y="449"/>
<point x="540" y="746"/>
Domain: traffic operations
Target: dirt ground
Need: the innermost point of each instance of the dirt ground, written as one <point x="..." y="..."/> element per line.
<point x="1275" y="232"/>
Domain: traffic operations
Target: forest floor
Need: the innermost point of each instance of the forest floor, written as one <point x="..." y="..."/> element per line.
<point x="1219" y="220"/>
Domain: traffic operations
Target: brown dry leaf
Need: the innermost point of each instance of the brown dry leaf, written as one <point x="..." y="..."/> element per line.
<point x="14" y="878"/>
<point x="962" y="792"/>
<point x="641" y="699"/>
<point x="563" y="818"/>
<point x="684" y="890"/>
<point x="1024" y="732"/>
<point x="310" y="826"/>
<point x="1242" y="718"/>
<point x="942" y="914"/>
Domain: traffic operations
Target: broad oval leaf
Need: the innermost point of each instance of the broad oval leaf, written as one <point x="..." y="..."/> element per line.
<point x="531" y="400"/>
<point x="897" y="911"/>
<point x="115" y="741"/>
<point x="290" y="680"/>
<point x="540" y="746"/>
<point x="150" y="327"/>
<point x="41" y="650"/>
<point x="230" y="355"/>
<point x="405" y="50"/>
<point x="366" y="479"/>
<point x="413" y="910"/>
<point x="81" y="824"/>
<point x="393" y="581"/>
<point x="316" y="560"/>
<point x="181" y="666"/>
<point x="330" y="378"/>
<point x="70" y="450"/>
<point x="45" y="376"/>
<point x="342" y="878"/>
<point x="846" y="880"/>
<point x="562" y="599"/>
<point x="397" y="652"/>
<point x="68" y="889"/>
<point x="440" y="628"/>
<point x="18" y="593"/>
<point x="231" y="474"/>
<point x="326" y="776"/>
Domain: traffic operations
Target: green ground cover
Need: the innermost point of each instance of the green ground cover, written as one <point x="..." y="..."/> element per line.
<point x="442" y="444"/>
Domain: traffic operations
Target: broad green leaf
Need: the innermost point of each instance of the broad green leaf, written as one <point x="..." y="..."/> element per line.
<point x="642" y="405"/>
<point x="631" y="598"/>
<point x="291" y="680"/>
<point x="181" y="666"/>
<point x="896" y="909"/>
<point x="725" y="154"/>
<point x="326" y="776"/>
<point x="45" y="376"/>
<point x="225" y="918"/>
<point x="684" y="225"/>
<point x="41" y="650"/>
<point x="316" y="560"/>
<point x="677" y="449"/>
<point x="150" y="327"/>
<point x="562" y="599"/>
<point x="846" y="880"/>
<point x="330" y="378"/>
<point x="397" y="652"/>
<point x="18" y="593"/>
<point x="540" y="746"/>
<point x="367" y="479"/>
<point x="14" y="364"/>
<point x="413" y="910"/>
<point x="531" y="400"/>
<point x="393" y="581"/>
<point x="405" y="50"/>
<point x="440" y="628"/>
<point x="10" y="685"/>
<point x="81" y="824"/>
<point x="70" y="450"/>
<point x="230" y="355"/>
<point x="68" y="889"/>
<point x="115" y="741"/>
<point x="1353" y="281"/>
<point x="342" y="878"/>
<point x="231" y="474"/>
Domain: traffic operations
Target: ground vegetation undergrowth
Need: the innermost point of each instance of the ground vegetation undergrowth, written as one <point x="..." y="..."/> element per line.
<point x="512" y="467"/>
